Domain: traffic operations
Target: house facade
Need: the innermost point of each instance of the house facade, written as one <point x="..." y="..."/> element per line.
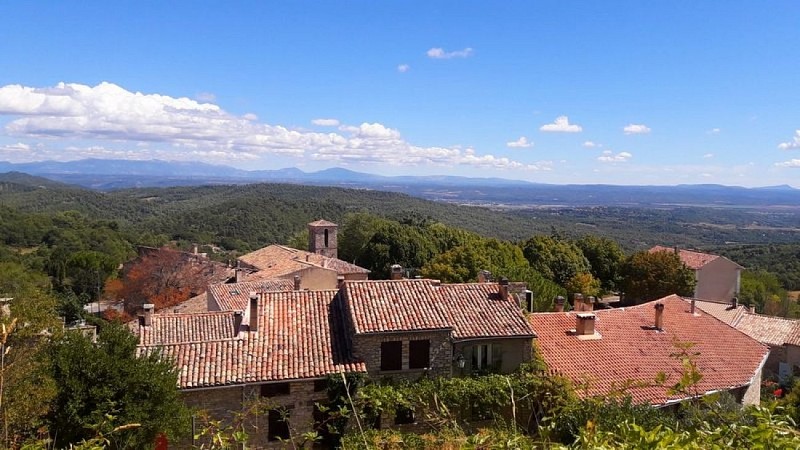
<point x="717" y="277"/>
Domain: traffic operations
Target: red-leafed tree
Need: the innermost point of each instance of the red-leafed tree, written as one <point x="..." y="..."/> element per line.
<point x="164" y="278"/>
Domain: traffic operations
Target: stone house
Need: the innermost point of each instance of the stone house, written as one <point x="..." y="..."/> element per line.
<point x="624" y="351"/>
<point x="717" y="277"/>
<point x="318" y="268"/>
<point x="283" y="345"/>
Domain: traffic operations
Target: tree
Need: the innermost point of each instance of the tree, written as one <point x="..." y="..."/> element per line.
<point x="763" y="290"/>
<point x="556" y="259"/>
<point x="648" y="276"/>
<point x="605" y="257"/>
<point x="104" y="382"/>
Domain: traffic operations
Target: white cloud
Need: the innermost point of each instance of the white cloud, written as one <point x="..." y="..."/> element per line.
<point x="522" y="142"/>
<point x="609" y="156"/>
<point x="561" y="125"/>
<point x="791" y="163"/>
<point x="439" y="53"/>
<point x="591" y="144"/>
<point x="19" y="147"/>
<point x="636" y="129"/>
<point x="326" y="122"/>
<point x="793" y="144"/>
<point x="714" y="131"/>
<point x="403" y="68"/>
<point x="205" y="97"/>
<point x="85" y="118"/>
<point x="708" y="155"/>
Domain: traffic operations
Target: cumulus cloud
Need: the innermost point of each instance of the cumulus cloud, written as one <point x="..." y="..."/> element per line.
<point x="591" y="144"/>
<point x="326" y="122"/>
<point x="609" y="156"/>
<point x="522" y="142"/>
<point x="19" y="147"/>
<point x="440" y="53"/>
<point x="793" y="163"/>
<point x="636" y="129"/>
<point x="205" y="97"/>
<point x="164" y="127"/>
<point x="561" y="125"/>
<point x="793" y="144"/>
<point x="403" y="68"/>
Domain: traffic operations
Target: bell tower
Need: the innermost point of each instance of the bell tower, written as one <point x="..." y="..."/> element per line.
<point x="322" y="238"/>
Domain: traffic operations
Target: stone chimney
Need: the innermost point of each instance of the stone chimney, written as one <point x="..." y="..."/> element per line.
<point x="659" y="325"/>
<point x="577" y="302"/>
<point x="752" y="309"/>
<point x="339" y="281"/>
<point x="693" y="308"/>
<point x="149" y="309"/>
<point x="253" y="311"/>
<point x="559" y="304"/>
<point x="529" y="300"/>
<point x="503" y="291"/>
<point x="237" y="322"/>
<point x="584" y="324"/>
<point x="194" y="249"/>
<point x="484" y="276"/>
<point x="396" y="272"/>
<point x="676" y="250"/>
<point x="588" y="303"/>
<point x="297" y="282"/>
<point x="735" y="302"/>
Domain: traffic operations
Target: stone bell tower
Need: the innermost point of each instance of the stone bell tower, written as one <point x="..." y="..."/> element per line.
<point x="322" y="238"/>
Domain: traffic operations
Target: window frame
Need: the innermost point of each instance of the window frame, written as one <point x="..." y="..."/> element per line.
<point x="390" y="361"/>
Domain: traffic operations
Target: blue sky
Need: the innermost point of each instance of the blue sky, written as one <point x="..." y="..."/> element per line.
<point x="556" y="92"/>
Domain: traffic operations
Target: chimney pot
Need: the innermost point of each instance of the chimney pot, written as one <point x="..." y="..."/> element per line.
<point x="253" y="311"/>
<point x="339" y="282"/>
<point x="237" y="321"/>
<point x="584" y="324"/>
<point x="735" y="302"/>
<point x="396" y="272"/>
<point x="149" y="308"/>
<point x="559" y="305"/>
<point x="297" y="282"/>
<point x="577" y="302"/>
<point x="484" y="276"/>
<point x="694" y="307"/>
<point x="659" y="307"/>
<point x="503" y="291"/>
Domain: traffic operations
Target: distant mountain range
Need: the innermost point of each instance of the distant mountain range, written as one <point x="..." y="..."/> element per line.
<point x="105" y="174"/>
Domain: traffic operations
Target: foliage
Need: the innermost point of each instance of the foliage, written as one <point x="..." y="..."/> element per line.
<point x="557" y="259"/>
<point x="96" y="381"/>
<point x="648" y="276"/>
<point x="783" y="260"/>
<point x="763" y="290"/>
<point x="605" y="257"/>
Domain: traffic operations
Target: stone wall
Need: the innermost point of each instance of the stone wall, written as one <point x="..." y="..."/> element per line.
<point x="368" y="349"/>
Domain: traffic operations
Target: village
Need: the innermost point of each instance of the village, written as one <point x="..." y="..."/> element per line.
<point x="287" y="320"/>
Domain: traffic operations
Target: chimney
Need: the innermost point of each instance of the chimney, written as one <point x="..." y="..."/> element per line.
<point x="659" y="325"/>
<point x="529" y="300"/>
<point x="735" y="302"/>
<point x="693" y="307"/>
<point x="339" y="282"/>
<point x="297" y="282"/>
<point x="559" y="307"/>
<point x="676" y="250"/>
<point x="194" y="249"/>
<point x="503" y="288"/>
<point x="588" y="304"/>
<point x="577" y="302"/>
<point x="584" y="324"/>
<point x="253" y="311"/>
<point x="237" y="321"/>
<point x="752" y="309"/>
<point x="484" y="276"/>
<point x="396" y="272"/>
<point x="148" y="313"/>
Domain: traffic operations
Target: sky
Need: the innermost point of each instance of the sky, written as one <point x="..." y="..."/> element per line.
<point x="565" y="92"/>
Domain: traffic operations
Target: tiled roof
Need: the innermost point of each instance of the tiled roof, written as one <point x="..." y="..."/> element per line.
<point x="235" y="296"/>
<point x="768" y="329"/>
<point x="299" y="336"/>
<point x="693" y="260"/>
<point x="723" y="311"/>
<point x="277" y="260"/>
<point x="322" y="223"/>
<point x="196" y="304"/>
<point x="630" y="350"/>
<point x="471" y="310"/>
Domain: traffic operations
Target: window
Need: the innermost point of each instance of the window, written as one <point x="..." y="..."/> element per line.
<point x="274" y="389"/>
<point x="278" y="423"/>
<point x="486" y="357"/>
<point x="392" y="355"/>
<point x="326" y="237"/>
<point x="403" y="416"/>
<point x="419" y="354"/>
<point x="320" y="385"/>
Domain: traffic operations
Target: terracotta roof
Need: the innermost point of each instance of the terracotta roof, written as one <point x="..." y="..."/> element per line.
<point x="722" y="310"/>
<point x="630" y="350"/>
<point x="277" y="260"/>
<point x="471" y="310"/>
<point x="769" y="329"/>
<point x="235" y="296"/>
<point x="300" y="336"/>
<point x="322" y="223"/>
<point x="196" y="304"/>
<point x="693" y="260"/>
